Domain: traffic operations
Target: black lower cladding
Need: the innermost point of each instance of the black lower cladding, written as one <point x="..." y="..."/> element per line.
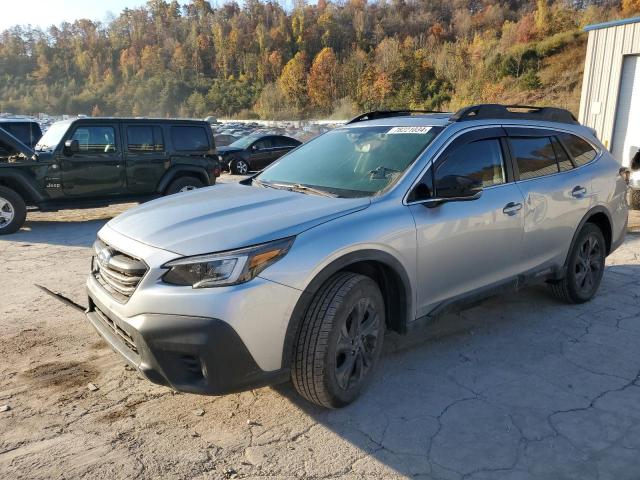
<point x="188" y="354"/>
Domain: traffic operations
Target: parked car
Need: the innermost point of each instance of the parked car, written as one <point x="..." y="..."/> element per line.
<point x="27" y="131"/>
<point x="255" y="152"/>
<point x="224" y="139"/>
<point x="382" y="224"/>
<point x="101" y="161"/>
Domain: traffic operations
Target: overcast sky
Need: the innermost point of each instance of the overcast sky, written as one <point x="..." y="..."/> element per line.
<point x="44" y="13"/>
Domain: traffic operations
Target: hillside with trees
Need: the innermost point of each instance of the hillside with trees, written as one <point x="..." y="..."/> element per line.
<point x="259" y="59"/>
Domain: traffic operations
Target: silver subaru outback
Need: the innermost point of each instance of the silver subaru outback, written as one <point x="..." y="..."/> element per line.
<point x="382" y="224"/>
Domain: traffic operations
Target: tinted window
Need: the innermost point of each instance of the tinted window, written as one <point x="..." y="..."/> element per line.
<point x="580" y="150"/>
<point x="535" y="156"/>
<point x="189" y="138"/>
<point x="95" y="139"/>
<point x="481" y="161"/>
<point x="564" y="162"/>
<point x="144" y="138"/>
<point x="27" y="133"/>
<point x="263" y="143"/>
<point x="285" y="142"/>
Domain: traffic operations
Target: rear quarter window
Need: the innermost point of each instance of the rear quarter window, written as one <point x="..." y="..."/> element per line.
<point x="580" y="150"/>
<point x="187" y="138"/>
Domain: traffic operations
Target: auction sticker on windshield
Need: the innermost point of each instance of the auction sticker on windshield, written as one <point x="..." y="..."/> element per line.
<point x="413" y="130"/>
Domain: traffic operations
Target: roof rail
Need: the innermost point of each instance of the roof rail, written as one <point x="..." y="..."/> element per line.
<point x="506" y="112"/>
<point x="375" y="114"/>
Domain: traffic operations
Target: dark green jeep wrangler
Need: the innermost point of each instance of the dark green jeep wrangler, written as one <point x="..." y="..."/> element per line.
<point x="92" y="162"/>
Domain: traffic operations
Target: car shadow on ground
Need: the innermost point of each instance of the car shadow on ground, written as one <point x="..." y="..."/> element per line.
<point x="477" y="392"/>
<point x="62" y="232"/>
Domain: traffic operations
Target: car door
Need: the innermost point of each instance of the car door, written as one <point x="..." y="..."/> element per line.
<point x="146" y="158"/>
<point x="466" y="247"/>
<point x="282" y="145"/>
<point x="556" y="195"/>
<point x="97" y="169"/>
<point x="261" y="153"/>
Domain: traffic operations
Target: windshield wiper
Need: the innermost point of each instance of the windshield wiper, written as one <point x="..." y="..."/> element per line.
<point x="299" y="187"/>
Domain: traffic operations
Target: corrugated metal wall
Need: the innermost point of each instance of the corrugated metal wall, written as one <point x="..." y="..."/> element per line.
<point x="603" y="67"/>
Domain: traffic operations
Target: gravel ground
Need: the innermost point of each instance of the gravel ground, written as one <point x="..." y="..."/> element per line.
<point x="519" y="387"/>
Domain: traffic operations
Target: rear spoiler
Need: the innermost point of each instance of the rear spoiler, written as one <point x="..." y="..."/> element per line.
<point x="15" y="144"/>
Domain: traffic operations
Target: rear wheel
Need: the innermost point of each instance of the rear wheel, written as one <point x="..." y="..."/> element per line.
<point x="13" y="211"/>
<point x="184" y="184"/>
<point x="635" y="199"/>
<point x="239" y="167"/>
<point x="585" y="268"/>
<point x="340" y="340"/>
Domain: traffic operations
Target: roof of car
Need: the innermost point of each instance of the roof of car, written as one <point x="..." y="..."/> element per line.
<point x="17" y="120"/>
<point x="420" y="120"/>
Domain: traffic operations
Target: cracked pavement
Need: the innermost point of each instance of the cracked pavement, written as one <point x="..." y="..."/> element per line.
<point x="518" y="387"/>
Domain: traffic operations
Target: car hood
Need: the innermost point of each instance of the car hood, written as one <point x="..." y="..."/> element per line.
<point x="15" y="144"/>
<point x="225" y="217"/>
<point x="226" y="149"/>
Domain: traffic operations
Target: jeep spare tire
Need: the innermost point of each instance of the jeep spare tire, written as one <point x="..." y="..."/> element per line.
<point x="13" y="211"/>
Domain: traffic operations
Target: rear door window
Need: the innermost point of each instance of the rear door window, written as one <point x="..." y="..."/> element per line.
<point x="534" y="156"/>
<point x="284" y="142"/>
<point x="144" y="138"/>
<point x="581" y="151"/>
<point x="187" y="138"/>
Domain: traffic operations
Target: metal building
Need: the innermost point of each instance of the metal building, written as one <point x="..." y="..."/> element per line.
<point x="610" y="101"/>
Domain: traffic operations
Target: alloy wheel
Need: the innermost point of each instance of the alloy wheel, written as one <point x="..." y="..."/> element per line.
<point x="242" y="168"/>
<point x="589" y="264"/>
<point x="7" y="212"/>
<point x="357" y="344"/>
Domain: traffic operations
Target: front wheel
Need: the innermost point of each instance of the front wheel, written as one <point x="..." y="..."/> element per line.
<point x="585" y="267"/>
<point x="340" y="340"/>
<point x="13" y="211"/>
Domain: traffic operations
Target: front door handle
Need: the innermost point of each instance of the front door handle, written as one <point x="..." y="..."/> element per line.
<point x="578" y="192"/>
<point x="512" y="208"/>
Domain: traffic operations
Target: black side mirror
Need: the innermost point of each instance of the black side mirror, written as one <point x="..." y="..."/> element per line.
<point x="71" y="147"/>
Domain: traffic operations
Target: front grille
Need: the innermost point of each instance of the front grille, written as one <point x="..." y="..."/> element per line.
<point x="118" y="273"/>
<point x="126" y="338"/>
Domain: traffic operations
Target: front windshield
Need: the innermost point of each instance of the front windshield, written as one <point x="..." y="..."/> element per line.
<point x="52" y="136"/>
<point x="244" y="142"/>
<point x="352" y="161"/>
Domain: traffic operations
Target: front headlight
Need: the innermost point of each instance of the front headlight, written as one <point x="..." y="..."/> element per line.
<point x="226" y="268"/>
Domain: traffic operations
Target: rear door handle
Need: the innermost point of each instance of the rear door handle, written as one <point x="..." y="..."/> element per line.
<point x="512" y="208"/>
<point x="578" y="192"/>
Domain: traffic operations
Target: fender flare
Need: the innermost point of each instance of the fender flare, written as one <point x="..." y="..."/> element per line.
<point x="593" y="211"/>
<point x="177" y="170"/>
<point x="342" y="263"/>
<point x="25" y="183"/>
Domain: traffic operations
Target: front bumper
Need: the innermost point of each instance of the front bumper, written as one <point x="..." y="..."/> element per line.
<point x="188" y="354"/>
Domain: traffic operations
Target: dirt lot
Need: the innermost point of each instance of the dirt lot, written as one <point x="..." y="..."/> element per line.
<point x="520" y="387"/>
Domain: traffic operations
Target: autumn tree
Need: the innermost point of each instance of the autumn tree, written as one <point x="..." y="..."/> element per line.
<point x="322" y="83"/>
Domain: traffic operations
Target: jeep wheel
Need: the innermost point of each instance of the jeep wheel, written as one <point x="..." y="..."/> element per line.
<point x="340" y="340"/>
<point x="13" y="211"/>
<point x="585" y="267"/>
<point x="184" y="184"/>
<point x="635" y="199"/>
<point x="239" y="167"/>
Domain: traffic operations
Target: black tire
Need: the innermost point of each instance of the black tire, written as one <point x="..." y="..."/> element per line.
<point x="13" y="211"/>
<point x="585" y="267"/>
<point x="239" y="167"/>
<point x="184" y="184"/>
<point x="329" y="369"/>
<point x="635" y="199"/>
